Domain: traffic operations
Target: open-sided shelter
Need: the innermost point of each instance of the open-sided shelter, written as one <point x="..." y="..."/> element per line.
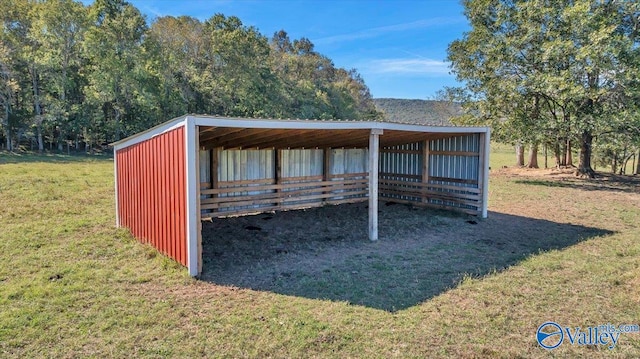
<point x="170" y="177"/>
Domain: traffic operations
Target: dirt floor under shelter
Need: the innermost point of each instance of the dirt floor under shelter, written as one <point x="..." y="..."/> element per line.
<point x="325" y="252"/>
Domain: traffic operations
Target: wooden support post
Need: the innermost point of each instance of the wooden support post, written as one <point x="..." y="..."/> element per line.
<point x="326" y="168"/>
<point x="115" y="171"/>
<point x="277" y="163"/>
<point x="198" y="210"/>
<point x="213" y="171"/>
<point x="192" y="188"/>
<point x="483" y="171"/>
<point x="425" y="168"/>
<point x="374" y="154"/>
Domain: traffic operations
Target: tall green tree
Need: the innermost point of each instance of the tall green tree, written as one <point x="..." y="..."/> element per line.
<point x="23" y="72"/>
<point x="8" y="88"/>
<point x="313" y="87"/>
<point x="114" y="48"/>
<point x="575" y="61"/>
<point x="243" y="82"/>
<point x="19" y="68"/>
<point x="58" y="27"/>
<point x="93" y="74"/>
<point x="175" y="46"/>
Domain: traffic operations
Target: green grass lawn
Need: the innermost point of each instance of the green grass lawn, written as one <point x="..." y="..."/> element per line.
<point x="72" y="285"/>
<point x="502" y="155"/>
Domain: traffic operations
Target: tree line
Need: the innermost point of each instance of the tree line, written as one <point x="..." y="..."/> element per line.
<point x="76" y="76"/>
<point x="423" y="112"/>
<point x="557" y="74"/>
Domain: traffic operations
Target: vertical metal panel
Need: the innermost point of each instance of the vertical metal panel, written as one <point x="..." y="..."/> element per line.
<point x="455" y="167"/>
<point x="337" y="161"/>
<point x="155" y="233"/>
<point x="182" y="160"/>
<point x="180" y="201"/>
<point x="205" y="166"/>
<point x="171" y="167"/>
<point x="243" y="165"/>
<point x="240" y="165"/>
<point x="352" y="160"/>
<point x="151" y="192"/>
<point x="462" y="170"/>
<point x="301" y="162"/>
<point x="403" y="163"/>
<point x="163" y="176"/>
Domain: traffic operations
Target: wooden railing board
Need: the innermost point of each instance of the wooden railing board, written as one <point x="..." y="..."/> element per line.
<point x="288" y="194"/>
<point x="456" y="153"/>
<point x="432" y="205"/>
<point x="286" y="207"/>
<point x="431" y="185"/>
<point x="432" y="195"/>
<point x="280" y="186"/>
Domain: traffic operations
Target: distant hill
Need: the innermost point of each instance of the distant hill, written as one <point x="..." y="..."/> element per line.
<point x="427" y="112"/>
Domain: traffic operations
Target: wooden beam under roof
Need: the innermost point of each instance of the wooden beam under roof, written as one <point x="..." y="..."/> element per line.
<point x="238" y="139"/>
<point x="399" y="138"/>
<point x="267" y="140"/>
<point x="352" y="139"/>
<point x="394" y="138"/>
<point x="324" y="138"/>
<point x="218" y="132"/>
<point x="207" y="129"/>
<point x="308" y="138"/>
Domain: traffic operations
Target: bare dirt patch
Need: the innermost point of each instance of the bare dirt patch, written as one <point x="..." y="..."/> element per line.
<point x="324" y="252"/>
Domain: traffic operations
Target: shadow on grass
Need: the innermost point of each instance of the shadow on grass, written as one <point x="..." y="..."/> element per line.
<point x="604" y="182"/>
<point x="32" y="157"/>
<point x="323" y="253"/>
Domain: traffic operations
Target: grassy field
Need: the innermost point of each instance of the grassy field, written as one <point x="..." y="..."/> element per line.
<point x="71" y="285"/>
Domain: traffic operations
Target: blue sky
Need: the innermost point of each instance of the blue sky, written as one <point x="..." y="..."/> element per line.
<point x="399" y="47"/>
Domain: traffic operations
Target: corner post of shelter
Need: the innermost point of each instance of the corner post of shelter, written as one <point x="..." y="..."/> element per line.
<point x="483" y="176"/>
<point x="374" y="156"/>
<point x="192" y="147"/>
<point x="115" y="171"/>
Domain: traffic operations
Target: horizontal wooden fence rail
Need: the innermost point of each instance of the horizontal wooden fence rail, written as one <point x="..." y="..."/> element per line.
<point x="464" y="199"/>
<point x="438" y="187"/>
<point x="399" y="175"/>
<point x="291" y="193"/>
<point x="434" y="153"/>
<point x="261" y="195"/>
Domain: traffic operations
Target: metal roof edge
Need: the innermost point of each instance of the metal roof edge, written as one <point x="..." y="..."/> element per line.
<point x="203" y="120"/>
<point x="431" y="128"/>
<point x="151" y="132"/>
<point x="223" y="121"/>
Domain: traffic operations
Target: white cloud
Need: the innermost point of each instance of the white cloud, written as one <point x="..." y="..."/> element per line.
<point x="377" y="31"/>
<point x="408" y="66"/>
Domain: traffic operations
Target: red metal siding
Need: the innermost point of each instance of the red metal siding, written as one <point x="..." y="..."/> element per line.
<point x="151" y="192"/>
